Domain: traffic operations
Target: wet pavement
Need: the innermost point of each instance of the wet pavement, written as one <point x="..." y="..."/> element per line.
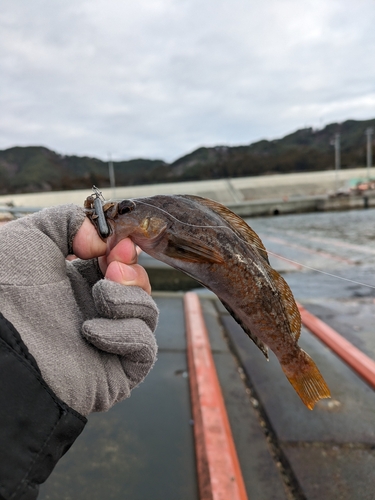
<point x="143" y="448"/>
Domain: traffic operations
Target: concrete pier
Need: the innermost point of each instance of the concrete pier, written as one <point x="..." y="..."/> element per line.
<point x="144" y="447"/>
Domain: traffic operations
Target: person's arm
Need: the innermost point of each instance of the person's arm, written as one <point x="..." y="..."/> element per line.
<point x="36" y="427"/>
<point x="75" y="337"/>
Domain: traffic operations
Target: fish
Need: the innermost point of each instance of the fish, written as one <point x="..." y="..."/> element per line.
<point x="216" y="247"/>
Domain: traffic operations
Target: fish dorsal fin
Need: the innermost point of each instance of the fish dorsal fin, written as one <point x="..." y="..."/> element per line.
<point x="253" y="337"/>
<point x="192" y="250"/>
<point x="238" y="225"/>
<point x="289" y="303"/>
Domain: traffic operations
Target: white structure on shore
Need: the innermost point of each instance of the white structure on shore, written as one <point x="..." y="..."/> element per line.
<point x="226" y="191"/>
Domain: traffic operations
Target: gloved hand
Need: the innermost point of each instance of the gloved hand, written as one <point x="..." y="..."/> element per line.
<point x="92" y="338"/>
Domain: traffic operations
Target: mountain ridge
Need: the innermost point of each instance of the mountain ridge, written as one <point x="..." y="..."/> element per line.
<point x="37" y="168"/>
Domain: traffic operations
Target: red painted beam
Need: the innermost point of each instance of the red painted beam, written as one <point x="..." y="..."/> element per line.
<point x="219" y="472"/>
<point x="356" y="359"/>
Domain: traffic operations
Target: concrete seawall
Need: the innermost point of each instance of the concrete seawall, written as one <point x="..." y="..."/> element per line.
<point x="247" y="196"/>
<point x="301" y="204"/>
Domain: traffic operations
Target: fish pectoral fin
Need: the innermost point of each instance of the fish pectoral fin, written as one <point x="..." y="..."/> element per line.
<point x="236" y="223"/>
<point x="192" y="251"/>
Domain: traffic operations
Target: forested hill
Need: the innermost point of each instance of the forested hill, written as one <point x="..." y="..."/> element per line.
<point x="36" y="168"/>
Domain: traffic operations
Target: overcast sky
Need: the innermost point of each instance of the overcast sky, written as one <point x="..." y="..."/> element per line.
<point x="159" y="78"/>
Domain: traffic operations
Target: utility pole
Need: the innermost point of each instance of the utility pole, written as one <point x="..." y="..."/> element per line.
<point x="369" y="133"/>
<point x="336" y="143"/>
<point x="111" y="172"/>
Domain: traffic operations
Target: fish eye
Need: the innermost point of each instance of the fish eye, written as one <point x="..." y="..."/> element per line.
<point x="125" y="206"/>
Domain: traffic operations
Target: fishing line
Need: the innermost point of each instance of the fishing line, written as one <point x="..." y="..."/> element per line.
<point x="319" y="270"/>
<point x="259" y="248"/>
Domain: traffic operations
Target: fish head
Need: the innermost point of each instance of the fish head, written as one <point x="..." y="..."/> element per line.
<point x="128" y="218"/>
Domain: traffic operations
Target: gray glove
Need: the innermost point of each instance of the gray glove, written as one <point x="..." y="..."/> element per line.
<point x="92" y="338"/>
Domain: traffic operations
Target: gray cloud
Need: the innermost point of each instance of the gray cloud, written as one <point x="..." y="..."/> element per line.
<point x="158" y="78"/>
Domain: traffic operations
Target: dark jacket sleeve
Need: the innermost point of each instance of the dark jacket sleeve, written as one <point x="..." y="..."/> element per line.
<point x="36" y="427"/>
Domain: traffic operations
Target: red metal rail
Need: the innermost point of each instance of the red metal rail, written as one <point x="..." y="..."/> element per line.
<point x="356" y="359"/>
<point x="219" y="472"/>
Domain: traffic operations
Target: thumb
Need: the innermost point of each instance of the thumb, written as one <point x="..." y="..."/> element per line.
<point x="87" y="244"/>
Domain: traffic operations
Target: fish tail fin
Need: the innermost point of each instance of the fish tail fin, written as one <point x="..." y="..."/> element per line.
<point x="307" y="381"/>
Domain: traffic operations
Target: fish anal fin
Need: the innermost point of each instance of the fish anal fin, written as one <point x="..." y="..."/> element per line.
<point x="238" y="225"/>
<point x="289" y="303"/>
<point x="192" y="251"/>
<point x="253" y="337"/>
<point x="307" y="381"/>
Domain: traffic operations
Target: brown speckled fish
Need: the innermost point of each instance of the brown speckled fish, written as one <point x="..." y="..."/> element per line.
<point x="210" y="243"/>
